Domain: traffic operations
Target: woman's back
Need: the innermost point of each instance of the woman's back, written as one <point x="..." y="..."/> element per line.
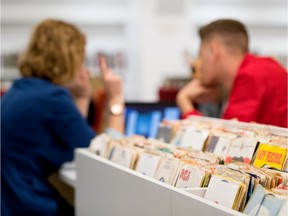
<point x="40" y="127"/>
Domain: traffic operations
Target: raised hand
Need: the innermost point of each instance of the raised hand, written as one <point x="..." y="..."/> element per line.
<point x="112" y="81"/>
<point x="195" y="92"/>
<point x="113" y="85"/>
<point x="80" y="86"/>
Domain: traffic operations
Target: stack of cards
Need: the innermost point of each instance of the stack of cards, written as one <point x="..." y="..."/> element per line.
<point x="247" y="165"/>
<point x="234" y="191"/>
<point x="264" y="202"/>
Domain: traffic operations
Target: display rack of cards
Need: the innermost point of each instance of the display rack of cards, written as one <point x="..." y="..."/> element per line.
<point x="106" y="188"/>
<point x="201" y="165"/>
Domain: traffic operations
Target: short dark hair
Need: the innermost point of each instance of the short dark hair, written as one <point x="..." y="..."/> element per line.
<point x="233" y="33"/>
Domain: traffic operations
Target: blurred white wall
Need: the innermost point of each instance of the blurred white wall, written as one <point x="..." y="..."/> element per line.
<point x="163" y="36"/>
<point x="152" y="33"/>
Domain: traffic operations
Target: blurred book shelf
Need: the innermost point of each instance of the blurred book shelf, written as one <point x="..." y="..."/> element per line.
<point x="170" y="87"/>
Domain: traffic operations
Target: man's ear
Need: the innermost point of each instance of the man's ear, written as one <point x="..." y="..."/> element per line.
<point x="215" y="49"/>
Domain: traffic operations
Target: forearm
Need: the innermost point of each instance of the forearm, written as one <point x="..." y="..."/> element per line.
<point x="184" y="103"/>
<point x="82" y="103"/>
<point x="116" y="122"/>
<point x="186" y="107"/>
<point x="113" y="85"/>
<point x="195" y="92"/>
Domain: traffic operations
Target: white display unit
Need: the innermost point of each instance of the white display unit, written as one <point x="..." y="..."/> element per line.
<point x="68" y="174"/>
<point x="105" y="188"/>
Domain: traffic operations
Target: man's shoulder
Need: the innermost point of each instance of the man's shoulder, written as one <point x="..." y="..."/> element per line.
<point x="260" y="74"/>
<point x="256" y="65"/>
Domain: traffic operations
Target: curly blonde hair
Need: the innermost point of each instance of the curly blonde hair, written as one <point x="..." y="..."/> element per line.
<point x="56" y="52"/>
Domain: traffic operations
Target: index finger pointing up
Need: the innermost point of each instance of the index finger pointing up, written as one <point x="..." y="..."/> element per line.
<point x="103" y="64"/>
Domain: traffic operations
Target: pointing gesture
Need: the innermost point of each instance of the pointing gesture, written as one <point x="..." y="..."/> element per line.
<point x="113" y="85"/>
<point x="112" y="81"/>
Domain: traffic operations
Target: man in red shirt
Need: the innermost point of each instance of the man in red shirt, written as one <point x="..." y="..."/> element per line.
<point x="255" y="88"/>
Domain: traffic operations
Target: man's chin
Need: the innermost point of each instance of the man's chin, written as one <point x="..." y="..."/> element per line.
<point x="206" y="83"/>
<point x="209" y="84"/>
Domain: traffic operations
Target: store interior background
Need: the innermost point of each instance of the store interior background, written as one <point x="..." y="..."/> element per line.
<point x="151" y="35"/>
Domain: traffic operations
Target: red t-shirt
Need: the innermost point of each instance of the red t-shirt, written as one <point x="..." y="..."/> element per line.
<point x="259" y="93"/>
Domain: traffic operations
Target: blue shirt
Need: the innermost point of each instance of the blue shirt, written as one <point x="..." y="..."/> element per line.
<point x="40" y="128"/>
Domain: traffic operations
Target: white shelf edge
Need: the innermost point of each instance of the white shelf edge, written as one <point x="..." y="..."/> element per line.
<point x="85" y="152"/>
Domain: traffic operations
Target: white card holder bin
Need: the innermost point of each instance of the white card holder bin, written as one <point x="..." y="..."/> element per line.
<point x="107" y="189"/>
<point x="200" y="192"/>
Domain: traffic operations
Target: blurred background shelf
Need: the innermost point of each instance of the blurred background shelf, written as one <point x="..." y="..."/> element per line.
<point x="9" y="74"/>
<point x="152" y="34"/>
